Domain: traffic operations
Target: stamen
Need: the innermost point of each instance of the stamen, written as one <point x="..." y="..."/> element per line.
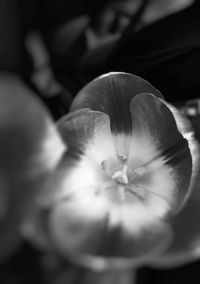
<point x="123" y="157"/>
<point x="105" y="165"/>
<point x="140" y="171"/>
<point x="121" y="176"/>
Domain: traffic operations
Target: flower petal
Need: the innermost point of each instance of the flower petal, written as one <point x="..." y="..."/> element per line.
<point x="81" y="231"/>
<point x="73" y="179"/>
<point x="88" y="228"/>
<point x="162" y="148"/>
<point x="185" y="247"/>
<point x="87" y="133"/>
<point x="30" y="148"/>
<point x="112" y="93"/>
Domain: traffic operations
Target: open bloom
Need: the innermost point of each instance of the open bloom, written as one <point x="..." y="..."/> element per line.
<point x="131" y="165"/>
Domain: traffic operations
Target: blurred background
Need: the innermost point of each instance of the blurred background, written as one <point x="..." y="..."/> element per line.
<point x="55" y="47"/>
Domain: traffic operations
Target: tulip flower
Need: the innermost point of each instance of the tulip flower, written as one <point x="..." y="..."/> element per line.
<point x="30" y="148"/>
<point x="129" y="172"/>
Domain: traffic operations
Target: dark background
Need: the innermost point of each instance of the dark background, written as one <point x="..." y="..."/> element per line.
<point x="165" y="52"/>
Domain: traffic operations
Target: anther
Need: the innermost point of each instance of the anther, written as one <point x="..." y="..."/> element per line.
<point x="140" y="171"/>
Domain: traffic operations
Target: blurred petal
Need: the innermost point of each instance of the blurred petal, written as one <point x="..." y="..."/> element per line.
<point x="112" y="93"/>
<point x="88" y="133"/>
<point x="30" y="148"/>
<point x="161" y="148"/>
<point x="77" y="225"/>
<point x="82" y="232"/>
<point x="72" y="179"/>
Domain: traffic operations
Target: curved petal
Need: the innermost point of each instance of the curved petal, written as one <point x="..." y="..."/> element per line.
<point x="30" y="147"/>
<point x="112" y="93"/>
<point x="73" y="179"/>
<point x="88" y="133"/>
<point x="82" y="232"/>
<point x="162" y="148"/>
<point x="185" y="247"/>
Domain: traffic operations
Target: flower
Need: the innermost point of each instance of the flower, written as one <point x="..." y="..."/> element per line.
<point x="129" y="170"/>
<point x="30" y="148"/>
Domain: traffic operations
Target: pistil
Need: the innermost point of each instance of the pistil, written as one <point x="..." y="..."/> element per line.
<point x="121" y="193"/>
<point x="122" y="180"/>
<point x="121" y="176"/>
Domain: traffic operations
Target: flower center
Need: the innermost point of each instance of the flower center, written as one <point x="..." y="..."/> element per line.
<point x="122" y="180"/>
<point x="122" y="188"/>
